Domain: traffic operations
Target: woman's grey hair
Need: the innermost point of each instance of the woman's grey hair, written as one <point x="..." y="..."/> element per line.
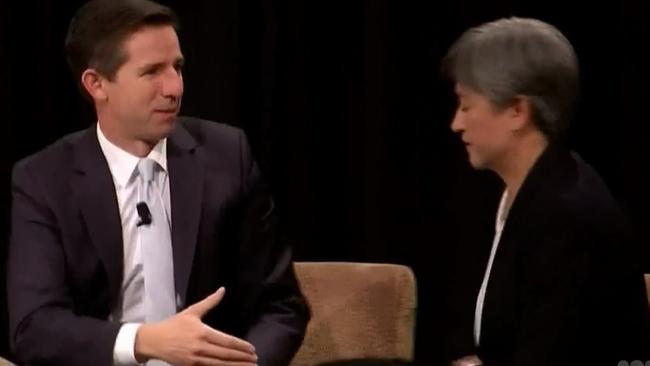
<point x="514" y="57"/>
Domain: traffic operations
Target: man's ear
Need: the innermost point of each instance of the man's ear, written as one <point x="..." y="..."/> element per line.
<point x="95" y="84"/>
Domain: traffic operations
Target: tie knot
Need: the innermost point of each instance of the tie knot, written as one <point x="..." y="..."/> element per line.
<point x="146" y="168"/>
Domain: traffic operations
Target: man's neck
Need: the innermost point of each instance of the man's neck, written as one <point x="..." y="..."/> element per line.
<point x="133" y="146"/>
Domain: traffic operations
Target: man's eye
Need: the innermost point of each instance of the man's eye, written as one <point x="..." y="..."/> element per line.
<point x="150" y="71"/>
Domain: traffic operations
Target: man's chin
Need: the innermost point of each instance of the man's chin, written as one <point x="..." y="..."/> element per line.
<point x="161" y="131"/>
<point x="166" y="121"/>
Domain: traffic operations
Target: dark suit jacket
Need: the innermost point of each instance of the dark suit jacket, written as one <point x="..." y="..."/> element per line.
<point x="565" y="286"/>
<point x="65" y="257"/>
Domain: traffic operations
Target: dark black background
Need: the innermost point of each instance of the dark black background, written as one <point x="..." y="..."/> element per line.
<point x="348" y="116"/>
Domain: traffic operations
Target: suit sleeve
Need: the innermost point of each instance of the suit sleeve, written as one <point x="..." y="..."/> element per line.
<point x="277" y="312"/>
<point x="44" y="327"/>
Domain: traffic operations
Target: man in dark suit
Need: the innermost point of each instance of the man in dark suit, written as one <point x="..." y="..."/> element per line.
<point x="562" y="285"/>
<point x="125" y="235"/>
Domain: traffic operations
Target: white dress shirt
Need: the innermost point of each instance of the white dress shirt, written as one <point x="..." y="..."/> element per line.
<point x="130" y="307"/>
<point x="500" y="223"/>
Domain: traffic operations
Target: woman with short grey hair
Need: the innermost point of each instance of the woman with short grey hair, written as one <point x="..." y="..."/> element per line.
<point x="561" y="285"/>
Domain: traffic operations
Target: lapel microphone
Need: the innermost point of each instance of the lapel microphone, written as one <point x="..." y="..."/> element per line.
<point x="143" y="213"/>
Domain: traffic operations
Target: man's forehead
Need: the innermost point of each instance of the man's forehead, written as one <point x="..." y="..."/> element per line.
<point x="153" y="45"/>
<point x="152" y="38"/>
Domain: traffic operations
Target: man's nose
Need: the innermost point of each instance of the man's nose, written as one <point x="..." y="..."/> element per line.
<point x="172" y="84"/>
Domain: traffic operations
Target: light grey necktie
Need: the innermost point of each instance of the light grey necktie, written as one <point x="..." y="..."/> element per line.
<point x="156" y="246"/>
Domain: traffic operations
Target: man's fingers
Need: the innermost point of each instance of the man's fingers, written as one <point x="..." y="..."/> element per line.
<point x="222" y="339"/>
<point x="200" y="308"/>
<point x="228" y="354"/>
<point x="214" y="362"/>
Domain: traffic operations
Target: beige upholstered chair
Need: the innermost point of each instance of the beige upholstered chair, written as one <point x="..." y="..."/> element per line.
<point x="647" y="286"/>
<point x="359" y="310"/>
<point x="4" y="362"/>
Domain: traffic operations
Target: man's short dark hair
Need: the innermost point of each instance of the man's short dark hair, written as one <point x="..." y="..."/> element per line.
<point x="99" y="28"/>
<point x="519" y="56"/>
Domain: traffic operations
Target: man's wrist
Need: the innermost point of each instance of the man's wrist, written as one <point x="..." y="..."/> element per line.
<point x="142" y="347"/>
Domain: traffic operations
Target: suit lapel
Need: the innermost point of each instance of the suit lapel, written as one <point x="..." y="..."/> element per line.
<point x="186" y="188"/>
<point x="543" y="177"/>
<point x="95" y="192"/>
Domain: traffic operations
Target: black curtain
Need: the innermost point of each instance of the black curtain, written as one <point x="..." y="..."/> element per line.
<point x="348" y="117"/>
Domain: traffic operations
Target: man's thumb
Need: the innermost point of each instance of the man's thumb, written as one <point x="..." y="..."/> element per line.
<point x="200" y="308"/>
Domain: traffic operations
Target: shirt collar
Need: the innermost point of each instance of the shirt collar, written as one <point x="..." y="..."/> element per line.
<point x="502" y="212"/>
<point x="122" y="163"/>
